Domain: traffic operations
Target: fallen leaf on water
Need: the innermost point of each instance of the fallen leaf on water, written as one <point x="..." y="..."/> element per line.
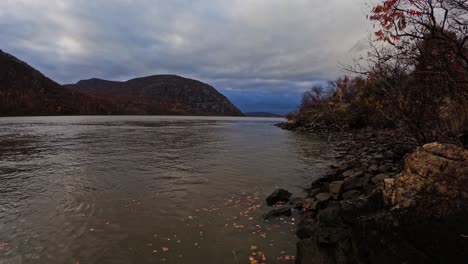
<point x="262" y="256"/>
<point x="252" y="260"/>
<point x="3" y="245"/>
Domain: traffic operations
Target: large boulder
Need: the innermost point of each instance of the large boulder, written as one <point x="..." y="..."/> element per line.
<point x="278" y="196"/>
<point x="434" y="181"/>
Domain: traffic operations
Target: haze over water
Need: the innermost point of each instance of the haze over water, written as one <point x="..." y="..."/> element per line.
<point x="148" y="189"/>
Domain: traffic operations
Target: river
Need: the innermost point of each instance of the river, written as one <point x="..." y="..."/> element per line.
<point x="149" y="189"/>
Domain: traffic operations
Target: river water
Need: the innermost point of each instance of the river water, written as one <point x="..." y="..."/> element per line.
<point x="95" y="190"/>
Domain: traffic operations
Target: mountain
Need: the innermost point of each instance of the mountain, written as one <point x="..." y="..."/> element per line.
<point x="26" y="91"/>
<point x="160" y="94"/>
<point x="262" y="114"/>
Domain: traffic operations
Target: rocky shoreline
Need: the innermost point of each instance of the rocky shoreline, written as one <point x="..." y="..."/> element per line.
<point x="384" y="200"/>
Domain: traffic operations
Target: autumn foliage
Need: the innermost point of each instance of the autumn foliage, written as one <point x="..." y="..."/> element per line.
<point x="415" y="77"/>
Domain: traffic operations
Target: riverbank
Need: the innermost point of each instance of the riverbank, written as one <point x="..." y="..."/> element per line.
<point x="384" y="200"/>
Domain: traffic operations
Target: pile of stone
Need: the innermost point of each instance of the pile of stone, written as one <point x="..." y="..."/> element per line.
<point x="369" y="209"/>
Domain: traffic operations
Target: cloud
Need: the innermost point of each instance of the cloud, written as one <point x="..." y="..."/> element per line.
<point x="238" y="44"/>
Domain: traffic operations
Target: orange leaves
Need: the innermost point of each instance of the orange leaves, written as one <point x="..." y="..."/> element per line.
<point x="257" y="255"/>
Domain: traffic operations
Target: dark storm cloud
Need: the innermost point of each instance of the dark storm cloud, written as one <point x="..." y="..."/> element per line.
<point x="261" y="45"/>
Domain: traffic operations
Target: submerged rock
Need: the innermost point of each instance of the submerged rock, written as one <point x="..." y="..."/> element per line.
<point x="278" y="195"/>
<point x="295" y="201"/>
<point x="284" y="211"/>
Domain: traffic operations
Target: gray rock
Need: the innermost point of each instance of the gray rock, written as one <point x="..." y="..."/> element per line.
<point x="309" y="204"/>
<point x="348" y="173"/>
<point x="384" y="168"/>
<point x="295" y="201"/>
<point x="314" y="192"/>
<point x="365" y="180"/>
<point x="335" y="189"/>
<point x="307" y="252"/>
<point x="332" y="229"/>
<point x="378" y="157"/>
<point x="306" y="228"/>
<point x="358" y="173"/>
<point x="389" y="154"/>
<point x="285" y="211"/>
<point x="373" y="168"/>
<point x="355" y="182"/>
<point x="323" y="197"/>
<point x="278" y="195"/>
<point x="351" y="194"/>
<point x="379" y="178"/>
<point x="351" y="183"/>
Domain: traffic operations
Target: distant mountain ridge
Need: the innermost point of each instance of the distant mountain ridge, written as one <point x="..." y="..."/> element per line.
<point x="26" y="91"/>
<point x="160" y="94"/>
<point x="262" y="114"/>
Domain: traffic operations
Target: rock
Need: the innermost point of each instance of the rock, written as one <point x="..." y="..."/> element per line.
<point x="356" y="183"/>
<point x="332" y="173"/>
<point x="313" y="192"/>
<point x="348" y="173"/>
<point x="358" y="173"/>
<point x="323" y="197"/>
<point x="306" y="228"/>
<point x="434" y="181"/>
<point x="308" y="253"/>
<point x="373" y="168"/>
<point x="351" y="183"/>
<point x="378" y="157"/>
<point x="351" y="194"/>
<point x="379" y="178"/>
<point x="389" y="154"/>
<point x="295" y="201"/>
<point x="284" y="211"/>
<point x="384" y="168"/>
<point x="332" y="229"/>
<point x="278" y="195"/>
<point x="309" y="204"/>
<point x="335" y="189"/>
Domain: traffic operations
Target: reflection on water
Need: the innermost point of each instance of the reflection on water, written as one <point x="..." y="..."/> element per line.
<point x="148" y="189"/>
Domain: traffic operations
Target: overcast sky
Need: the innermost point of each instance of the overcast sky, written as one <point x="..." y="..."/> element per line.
<point x="261" y="53"/>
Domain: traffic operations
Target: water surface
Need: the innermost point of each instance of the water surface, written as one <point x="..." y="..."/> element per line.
<point x="95" y="190"/>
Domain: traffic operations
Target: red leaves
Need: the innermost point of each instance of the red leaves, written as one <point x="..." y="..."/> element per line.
<point x="392" y="16"/>
<point x="379" y="34"/>
<point x="415" y="12"/>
